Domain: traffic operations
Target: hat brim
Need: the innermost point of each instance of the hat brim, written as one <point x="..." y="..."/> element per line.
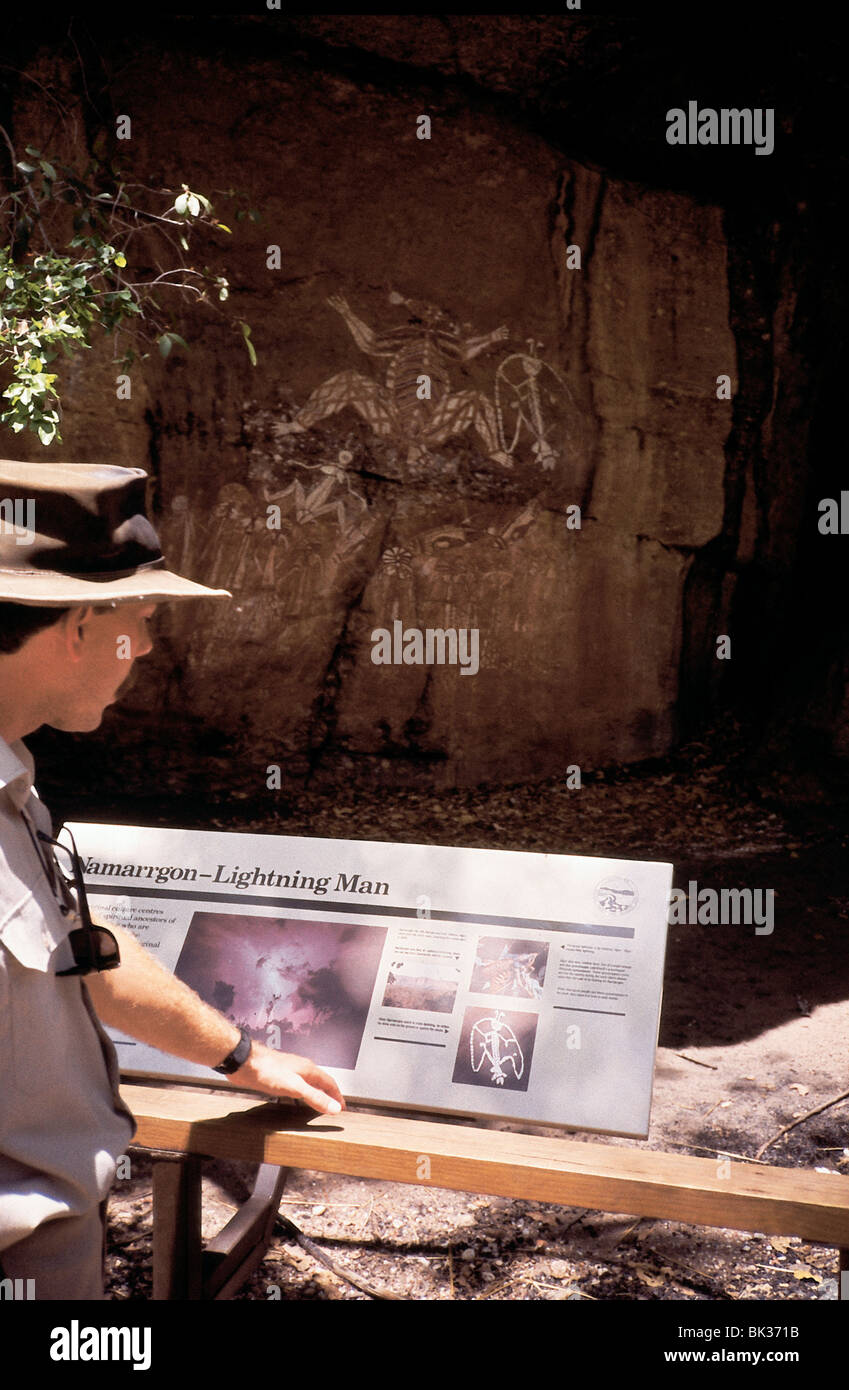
<point x="51" y="590"/>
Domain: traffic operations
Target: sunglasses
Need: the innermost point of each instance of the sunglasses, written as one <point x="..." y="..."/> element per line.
<point x="94" y="948"/>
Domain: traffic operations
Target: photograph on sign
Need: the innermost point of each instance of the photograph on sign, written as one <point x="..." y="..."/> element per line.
<point x="308" y="984"/>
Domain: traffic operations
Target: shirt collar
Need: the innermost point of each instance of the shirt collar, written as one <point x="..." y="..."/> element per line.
<point x="17" y="771"/>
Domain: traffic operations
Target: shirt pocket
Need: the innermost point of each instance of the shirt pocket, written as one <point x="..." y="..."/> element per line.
<point x="34" y="930"/>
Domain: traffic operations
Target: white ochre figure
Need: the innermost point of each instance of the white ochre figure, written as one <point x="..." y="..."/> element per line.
<point x="525" y="388"/>
<point x="493" y="1040"/>
<point x="417" y="351"/>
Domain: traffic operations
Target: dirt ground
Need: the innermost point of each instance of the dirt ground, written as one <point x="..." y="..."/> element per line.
<point x="753" y="1035"/>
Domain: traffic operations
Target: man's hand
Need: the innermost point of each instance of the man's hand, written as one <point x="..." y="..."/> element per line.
<point x="286" y="1074"/>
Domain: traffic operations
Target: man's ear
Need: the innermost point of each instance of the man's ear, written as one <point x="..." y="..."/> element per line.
<point x="74" y="630"/>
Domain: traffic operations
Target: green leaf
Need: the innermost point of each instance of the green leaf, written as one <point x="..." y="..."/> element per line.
<point x="26" y="168"/>
<point x="47" y="169"/>
<point x="246" y="334"/>
<point x="167" y="340"/>
<point x="36" y="154"/>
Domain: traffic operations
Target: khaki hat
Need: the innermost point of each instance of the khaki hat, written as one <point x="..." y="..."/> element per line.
<point x="75" y="533"/>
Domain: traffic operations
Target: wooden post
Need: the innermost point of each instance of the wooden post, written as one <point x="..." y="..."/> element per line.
<point x="176" y="1226"/>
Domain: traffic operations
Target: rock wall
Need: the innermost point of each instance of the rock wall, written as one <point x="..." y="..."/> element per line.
<point x="557" y="492"/>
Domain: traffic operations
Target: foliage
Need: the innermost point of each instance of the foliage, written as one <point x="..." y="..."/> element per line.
<point x="52" y="300"/>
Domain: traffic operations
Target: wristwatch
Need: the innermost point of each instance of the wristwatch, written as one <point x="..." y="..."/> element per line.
<point x="240" y="1054"/>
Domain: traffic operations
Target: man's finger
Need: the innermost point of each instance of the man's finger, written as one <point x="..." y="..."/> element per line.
<point x="319" y="1079"/>
<point x="319" y="1100"/>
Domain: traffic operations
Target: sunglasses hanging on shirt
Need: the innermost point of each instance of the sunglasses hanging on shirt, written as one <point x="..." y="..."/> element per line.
<point x="94" y="948"/>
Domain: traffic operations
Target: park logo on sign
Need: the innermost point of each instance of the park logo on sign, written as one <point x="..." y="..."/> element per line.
<point x="614" y="894"/>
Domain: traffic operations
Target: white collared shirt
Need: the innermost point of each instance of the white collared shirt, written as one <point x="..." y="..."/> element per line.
<point x="62" y="1122"/>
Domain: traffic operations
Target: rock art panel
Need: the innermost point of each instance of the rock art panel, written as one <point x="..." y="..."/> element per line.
<point x="454" y="424"/>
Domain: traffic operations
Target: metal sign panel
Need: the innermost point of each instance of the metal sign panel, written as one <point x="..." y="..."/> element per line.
<point x="521" y="986"/>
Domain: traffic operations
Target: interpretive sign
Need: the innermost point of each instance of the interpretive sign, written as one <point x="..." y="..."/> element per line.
<point x="488" y="982"/>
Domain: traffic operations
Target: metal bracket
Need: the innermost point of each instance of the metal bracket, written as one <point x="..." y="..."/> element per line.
<point x="183" y="1269"/>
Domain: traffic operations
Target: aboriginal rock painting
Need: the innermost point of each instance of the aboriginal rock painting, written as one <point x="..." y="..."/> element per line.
<point x="509" y="968"/>
<point x="268" y="536"/>
<point x="416" y="405"/>
<point x="495" y="1049"/>
<point x="462" y="546"/>
<point x="419" y="407"/>
<point x="493" y="1043"/>
<point x="312" y="499"/>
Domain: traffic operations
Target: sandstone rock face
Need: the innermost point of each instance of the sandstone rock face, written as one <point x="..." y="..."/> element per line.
<point x="561" y="629"/>
<point x="485" y="401"/>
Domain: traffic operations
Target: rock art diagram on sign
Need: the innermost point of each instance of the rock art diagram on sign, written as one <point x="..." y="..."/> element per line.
<point x="511" y="972"/>
<point x="492" y="1042"/>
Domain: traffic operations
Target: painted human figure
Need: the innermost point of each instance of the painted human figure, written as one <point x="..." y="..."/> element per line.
<point x="422" y="348"/>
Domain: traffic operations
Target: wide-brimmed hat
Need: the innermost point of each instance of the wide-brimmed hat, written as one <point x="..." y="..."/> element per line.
<point x="75" y="533"/>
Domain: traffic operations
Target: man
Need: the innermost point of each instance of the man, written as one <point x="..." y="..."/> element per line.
<point x="81" y="575"/>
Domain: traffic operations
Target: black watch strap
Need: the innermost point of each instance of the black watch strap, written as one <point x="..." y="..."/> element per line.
<point x="240" y="1054"/>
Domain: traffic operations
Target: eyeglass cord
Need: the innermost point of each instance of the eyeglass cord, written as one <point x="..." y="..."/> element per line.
<point x="48" y="868"/>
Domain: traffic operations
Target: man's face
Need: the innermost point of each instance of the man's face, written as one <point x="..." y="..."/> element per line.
<point x="101" y="649"/>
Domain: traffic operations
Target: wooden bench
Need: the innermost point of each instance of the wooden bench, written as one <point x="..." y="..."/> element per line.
<point x="182" y="1125"/>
